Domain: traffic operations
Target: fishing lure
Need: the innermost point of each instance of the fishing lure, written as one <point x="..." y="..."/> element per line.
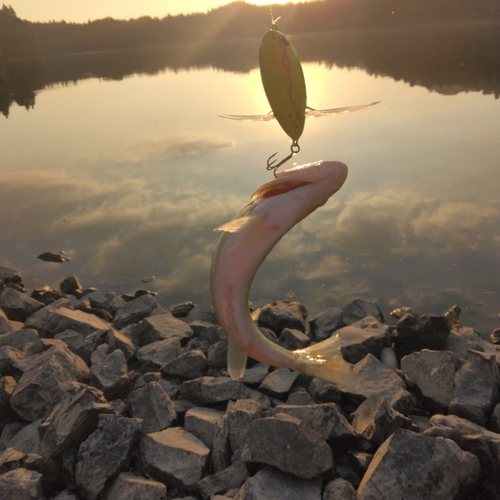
<point x="285" y="88"/>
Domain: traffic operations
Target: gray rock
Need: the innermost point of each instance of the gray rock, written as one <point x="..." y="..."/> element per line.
<point x="325" y="323"/>
<point x="105" y="452"/>
<point x="128" y="486"/>
<point x="18" y="306"/>
<point x="283" y="314"/>
<point x="202" y="423"/>
<point x="134" y="311"/>
<point x="189" y="365"/>
<point x="40" y="318"/>
<point x="278" y="382"/>
<point x="433" y="372"/>
<point x="476" y="388"/>
<point x="153" y="405"/>
<point x="159" y="327"/>
<point x="21" y="484"/>
<point x="70" y="284"/>
<point x="8" y="275"/>
<point x="376" y="420"/>
<point x="45" y="380"/>
<point x="8" y="433"/>
<point x="388" y="357"/>
<point x="232" y="477"/>
<point x="412" y="466"/>
<point x="71" y="338"/>
<point x="339" y="489"/>
<point x="417" y="333"/>
<point x="72" y="420"/>
<point x="12" y="459"/>
<point x="154" y="355"/>
<point x="324" y="392"/>
<point x="359" y="309"/>
<point x="495" y="419"/>
<point x="10" y="360"/>
<point x="286" y="443"/>
<point x="19" y="338"/>
<point x="90" y="344"/>
<point x="28" y="439"/>
<point x="181" y="310"/>
<point x="54" y="256"/>
<point x="5" y="325"/>
<point x="367" y="335"/>
<point x="256" y="374"/>
<point x="207" y="390"/>
<point x="111" y="376"/>
<point x="299" y="398"/>
<point x="221" y="451"/>
<point x="119" y="340"/>
<point x="46" y="296"/>
<point x="217" y="354"/>
<point x="270" y="483"/>
<point x="327" y="420"/>
<point x="240" y="417"/>
<point x="463" y="339"/>
<point x="7" y="387"/>
<point x="174" y="456"/>
<point x="293" y="339"/>
<point x="65" y="495"/>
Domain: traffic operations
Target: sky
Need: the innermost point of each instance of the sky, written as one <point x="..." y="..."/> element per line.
<point x="81" y="12"/>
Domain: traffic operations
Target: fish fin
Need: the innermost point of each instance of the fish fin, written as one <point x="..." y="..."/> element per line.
<point x="237" y="224"/>
<point x="236" y="360"/>
<point x="250" y="118"/>
<point x="276" y="187"/>
<point x="315" y="113"/>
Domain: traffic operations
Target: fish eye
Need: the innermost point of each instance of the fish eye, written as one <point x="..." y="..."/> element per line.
<point x="284" y="41"/>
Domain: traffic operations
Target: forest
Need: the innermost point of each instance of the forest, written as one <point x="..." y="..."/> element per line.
<point x="19" y="38"/>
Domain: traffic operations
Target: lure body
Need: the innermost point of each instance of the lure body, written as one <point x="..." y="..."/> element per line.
<point x="273" y="210"/>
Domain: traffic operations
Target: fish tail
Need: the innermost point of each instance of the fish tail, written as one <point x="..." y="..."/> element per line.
<point x="324" y="360"/>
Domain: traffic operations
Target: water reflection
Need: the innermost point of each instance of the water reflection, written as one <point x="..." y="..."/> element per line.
<point x="130" y="178"/>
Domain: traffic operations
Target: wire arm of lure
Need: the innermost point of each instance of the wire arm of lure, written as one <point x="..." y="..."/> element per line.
<point x="294" y="148"/>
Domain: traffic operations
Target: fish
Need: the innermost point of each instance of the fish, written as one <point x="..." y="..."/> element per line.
<point x="274" y="209"/>
<point x="285" y="88"/>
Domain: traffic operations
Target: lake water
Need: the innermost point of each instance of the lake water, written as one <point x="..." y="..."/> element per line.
<point x="130" y="173"/>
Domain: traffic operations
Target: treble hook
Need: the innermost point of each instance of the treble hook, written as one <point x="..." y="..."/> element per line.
<point x="294" y="148"/>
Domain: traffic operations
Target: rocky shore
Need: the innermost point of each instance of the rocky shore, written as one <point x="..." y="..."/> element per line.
<point x="107" y="397"/>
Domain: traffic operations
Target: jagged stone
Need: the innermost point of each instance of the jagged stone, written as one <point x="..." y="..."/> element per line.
<point x="181" y="310"/>
<point x="154" y="355"/>
<point x="207" y="390"/>
<point x="174" y="456"/>
<point x="232" y="477"/>
<point x="45" y="380"/>
<point x="5" y="325"/>
<point x="118" y="340"/>
<point x="10" y="357"/>
<point x="152" y="404"/>
<point x="463" y="339"/>
<point x="327" y="420"/>
<point x="322" y="326"/>
<point x="272" y="483"/>
<point x="202" y="423"/>
<point x="476" y="388"/>
<point x="104" y="453"/>
<point x="256" y="374"/>
<point x="359" y="309"/>
<point x="8" y="275"/>
<point x="278" y="382"/>
<point x="324" y="392"/>
<point x="46" y="296"/>
<point x="413" y="466"/>
<point x="18" y="306"/>
<point x="28" y="439"/>
<point x="433" y="372"/>
<point x="189" y="365"/>
<point x="283" y="314"/>
<point x="217" y="354"/>
<point x="7" y="387"/>
<point x="19" y="338"/>
<point x="240" y="417"/>
<point x="286" y="443"/>
<point x="111" y="376"/>
<point x="128" y="486"/>
<point x="21" y="484"/>
<point x="221" y="451"/>
<point x="293" y="339"/>
<point x="368" y="335"/>
<point x="134" y="311"/>
<point x="299" y="398"/>
<point x="339" y="489"/>
<point x="70" y="284"/>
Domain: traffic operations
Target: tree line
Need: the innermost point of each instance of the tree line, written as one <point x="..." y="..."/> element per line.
<point x="235" y="20"/>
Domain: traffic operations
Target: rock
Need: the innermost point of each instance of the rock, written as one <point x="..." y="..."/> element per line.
<point x="182" y="309"/>
<point x="156" y="354"/>
<point x="325" y="323"/>
<point x="118" y="340"/>
<point x="412" y="466"/>
<point x="189" y="365"/>
<point x="376" y="420"/>
<point x="110" y="375"/>
<point x="21" y="484"/>
<point x="476" y="388"/>
<point x="7" y="415"/>
<point x="54" y="257"/>
<point x="283" y="314"/>
<point x="45" y="380"/>
<point x="202" y="423"/>
<point x="72" y="420"/>
<point x="362" y="337"/>
<point x="339" y="489"/>
<point x="174" y="456"/>
<point x="134" y="311"/>
<point x="10" y="357"/>
<point x="324" y="392"/>
<point x="12" y="459"/>
<point x="159" y="327"/>
<point x="46" y="296"/>
<point x="299" y="398"/>
<point x="433" y="373"/>
<point x="279" y="382"/>
<point x="153" y="405"/>
<point x="388" y="357"/>
<point x="65" y="495"/>
<point x="425" y="332"/>
<point x="240" y="417"/>
<point x="207" y="390"/>
<point x="28" y="439"/>
<point x="271" y="483"/>
<point x="286" y="443"/>
<point x="8" y="433"/>
<point x="221" y="452"/>
<point x="256" y="374"/>
<point x="19" y="338"/>
<point x="464" y="339"/>
<point x="69" y="285"/>
<point x="18" y="306"/>
<point x="232" y="477"/>
<point x="8" y="275"/>
<point x="293" y="339"/>
<point x="217" y="354"/>
<point x="359" y="309"/>
<point x="128" y="486"/>
<point x="327" y="420"/>
<point x="105" y="452"/>
<point x="5" y="325"/>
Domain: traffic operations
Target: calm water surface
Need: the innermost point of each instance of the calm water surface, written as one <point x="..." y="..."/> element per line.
<point x="131" y="176"/>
